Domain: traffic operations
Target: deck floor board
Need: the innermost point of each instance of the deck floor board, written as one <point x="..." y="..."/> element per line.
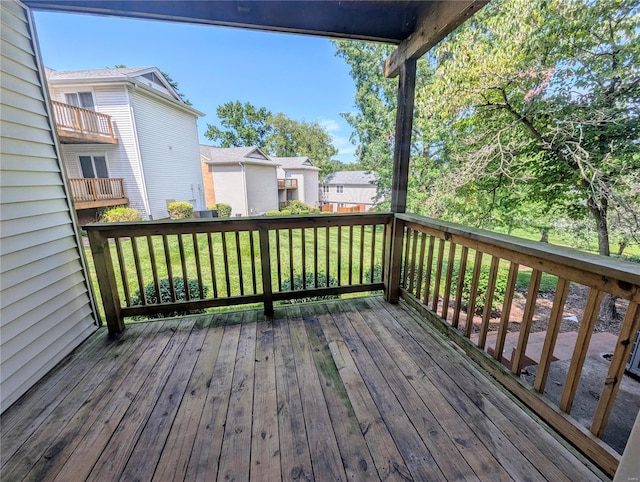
<point x="352" y="389"/>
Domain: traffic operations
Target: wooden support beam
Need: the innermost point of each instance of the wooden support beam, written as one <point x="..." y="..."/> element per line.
<point x="440" y="19"/>
<point x="402" y="147"/>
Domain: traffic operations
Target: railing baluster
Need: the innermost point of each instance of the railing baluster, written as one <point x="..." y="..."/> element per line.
<point x="278" y="259"/>
<point x="628" y="332"/>
<point x="506" y="311"/>
<point x="183" y="264"/>
<point x="291" y="258"/>
<point x="555" y="319"/>
<point x="315" y="257"/>
<point x="265" y="266"/>
<point x="167" y="259"/>
<point x="427" y="282"/>
<point x="374" y="232"/>
<point x="459" y="287"/>
<point x="405" y="264"/>
<point x="488" y="303"/>
<point x="225" y="262"/>
<point x="527" y="319"/>
<point x="339" y="255"/>
<point x="123" y="272"/>
<point x="239" y="259"/>
<point x="196" y="253"/>
<point x="303" y="240"/>
<point x="386" y="248"/>
<point x="361" y="253"/>
<point x="252" y="250"/>
<point x="420" y="275"/>
<point x="413" y="261"/>
<point x="327" y="244"/>
<point x="154" y="269"/>
<point x="136" y="261"/>
<point x="473" y="293"/>
<point x="580" y="350"/>
<point x="448" y="280"/>
<point x="436" y="287"/>
<point x="350" y="255"/>
<point x="212" y="263"/>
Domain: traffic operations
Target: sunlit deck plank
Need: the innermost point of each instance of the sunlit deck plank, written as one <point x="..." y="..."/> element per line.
<point x="354" y="389"/>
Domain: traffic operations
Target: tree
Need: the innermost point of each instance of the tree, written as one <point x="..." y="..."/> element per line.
<point x="246" y="125"/>
<point x="278" y="135"/>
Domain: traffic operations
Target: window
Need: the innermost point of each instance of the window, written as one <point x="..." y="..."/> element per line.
<point x="153" y="78"/>
<point x="325" y="189"/>
<point x="94" y="166"/>
<point x="339" y="189"/>
<point x="80" y="99"/>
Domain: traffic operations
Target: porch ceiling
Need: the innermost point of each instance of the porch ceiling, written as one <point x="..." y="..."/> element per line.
<point x="384" y="21"/>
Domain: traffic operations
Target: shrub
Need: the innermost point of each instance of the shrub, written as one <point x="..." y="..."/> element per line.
<point x="180" y="210"/>
<point x="165" y="296"/>
<point x="285" y="212"/>
<point x="483" y="282"/>
<point x="224" y="210"/>
<point x="310" y="279"/>
<point x="298" y="207"/>
<point x="121" y="214"/>
<point x="273" y="213"/>
<point x="377" y="274"/>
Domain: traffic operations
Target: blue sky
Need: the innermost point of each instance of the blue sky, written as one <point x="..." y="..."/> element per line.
<point x="297" y="75"/>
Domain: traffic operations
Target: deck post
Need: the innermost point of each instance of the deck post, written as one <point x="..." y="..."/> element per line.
<point x="393" y="272"/>
<point x="106" y="280"/>
<point x="265" y="264"/>
<point x="404" y="125"/>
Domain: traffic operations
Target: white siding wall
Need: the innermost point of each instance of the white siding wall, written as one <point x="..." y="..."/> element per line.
<point x="353" y="194"/>
<point x="123" y="160"/>
<point x="170" y="151"/>
<point x="262" y="188"/>
<point x="228" y="183"/>
<point x="45" y="305"/>
<point x="308" y="186"/>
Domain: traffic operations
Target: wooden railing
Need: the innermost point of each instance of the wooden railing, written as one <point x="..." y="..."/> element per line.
<point x="96" y="189"/>
<point x="287" y="184"/>
<point x="453" y="275"/>
<point x="75" y="124"/>
<point x="167" y="267"/>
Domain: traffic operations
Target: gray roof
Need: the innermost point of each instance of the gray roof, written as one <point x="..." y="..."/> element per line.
<point x="295" y="163"/>
<point x="350" y="177"/>
<point x="230" y="155"/>
<point x="93" y="73"/>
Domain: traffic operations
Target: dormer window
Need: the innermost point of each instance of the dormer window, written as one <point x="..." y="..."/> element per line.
<point x="80" y="99"/>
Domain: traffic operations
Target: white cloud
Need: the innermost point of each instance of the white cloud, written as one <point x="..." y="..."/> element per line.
<point x="330" y="125"/>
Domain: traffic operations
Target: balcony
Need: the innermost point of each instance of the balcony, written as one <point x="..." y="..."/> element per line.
<point x="76" y="125"/>
<point x="350" y="388"/>
<point x="90" y="193"/>
<point x="287" y="184"/>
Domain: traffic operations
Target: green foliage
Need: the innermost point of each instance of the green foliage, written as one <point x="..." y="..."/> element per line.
<point x="180" y="210"/>
<point x="377" y="274"/>
<point x="165" y="296"/>
<point x="121" y="214"/>
<point x="273" y="212"/>
<point x="310" y="280"/>
<point x="285" y="212"/>
<point x="298" y="207"/>
<point x="278" y="135"/>
<point x="224" y="210"/>
<point x="483" y="283"/>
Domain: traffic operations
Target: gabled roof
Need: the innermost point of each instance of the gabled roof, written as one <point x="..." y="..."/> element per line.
<point x="350" y="177"/>
<point x="234" y="155"/>
<point x="134" y="75"/>
<point x="295" y="163"/>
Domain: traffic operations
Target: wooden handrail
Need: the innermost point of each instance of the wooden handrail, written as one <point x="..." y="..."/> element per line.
<point x="235" y="261"/>
<point x="437" y="267"/>
<point x="82" y="121"/>
<point x="287" y="183"/>
<point x="96" y="189"/>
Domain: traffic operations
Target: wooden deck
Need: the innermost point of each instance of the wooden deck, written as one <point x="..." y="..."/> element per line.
<point x="354" y="389"/>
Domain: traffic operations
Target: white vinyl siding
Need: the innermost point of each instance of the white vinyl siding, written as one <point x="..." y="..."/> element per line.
<point x="352" y="194"/>
<point x="228" y="183"/>
<point x="45" y="304"/>
<point x="170" y="151"/>
<point x="262" y="189"/>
